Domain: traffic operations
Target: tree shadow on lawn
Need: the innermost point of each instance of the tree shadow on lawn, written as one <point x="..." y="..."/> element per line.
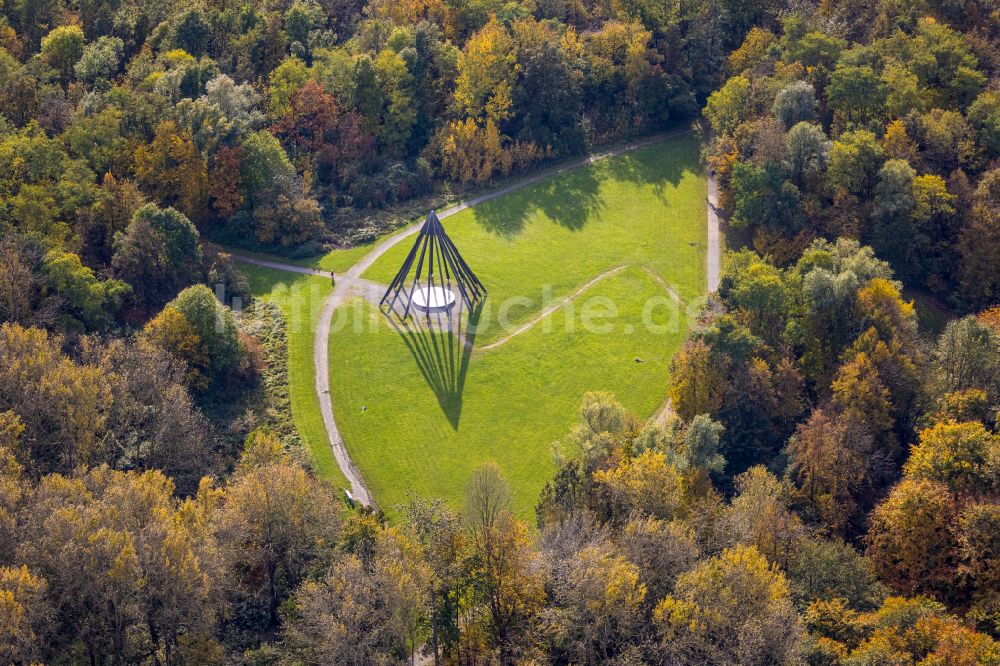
<point x="441" y="347"/>
<point x="645" y="169"/>
<point x="569" y="200"/>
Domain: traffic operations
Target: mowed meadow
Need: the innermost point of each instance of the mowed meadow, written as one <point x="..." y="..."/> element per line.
<point x="419" y="411"/>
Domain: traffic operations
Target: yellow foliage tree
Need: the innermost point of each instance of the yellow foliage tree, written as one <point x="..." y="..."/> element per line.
<point x="172" y="169"/>
<point x="486" y="73"/>
<point x="696" y="385"/>
<point x="646" y="484"/>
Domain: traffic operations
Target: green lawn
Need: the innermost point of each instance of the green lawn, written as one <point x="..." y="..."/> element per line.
<point x="335" y="260"/>
<point x="433" y="413"/>
<point x="419" y="412"/>
<point x="647" y="208"/>
<point x="300" y="298"/>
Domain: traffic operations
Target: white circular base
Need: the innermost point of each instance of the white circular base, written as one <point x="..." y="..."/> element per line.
<point x="433" y="299"/>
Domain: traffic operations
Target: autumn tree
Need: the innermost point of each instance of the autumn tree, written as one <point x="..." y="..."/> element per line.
<point x="724" y="108"/>
<point x="644" y="485"/>
<point x="277" y="524"/>
<point x="963" y="456"/>
<point x="501" y="567"/>
<point x="128" y="570"/>
<point x="173" y="171"/>
<point x="696" y="382"/>
<point x="602" y="604"/>
<point x="152" y="422"/>
<point x="910" y="539"/>
<point x="733" y="608"/>
<point x="761" y="515"/>
<point x="25" y="615"/>
<point x="61" y="49"/>
<point x="224" y="184"/>
<point x="830" y="465"/>
<point x="486" y="71"/>
<point x="63" y="405"/>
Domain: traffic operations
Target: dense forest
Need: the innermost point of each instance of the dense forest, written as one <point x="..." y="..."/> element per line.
<point x="827" y="491"/>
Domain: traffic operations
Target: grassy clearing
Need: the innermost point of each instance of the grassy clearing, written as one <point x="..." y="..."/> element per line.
<point x="419" y="412"/>
<point x="300" y="298"/>
<point x="335" y="260"/>
<point x="646" y="208"/>
<point x="433" y="412"/>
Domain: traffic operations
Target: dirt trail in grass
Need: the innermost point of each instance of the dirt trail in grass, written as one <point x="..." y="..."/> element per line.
<point x="562" y="302"/>
<point x="349" y="284"/>
<point x="566" y="300"/>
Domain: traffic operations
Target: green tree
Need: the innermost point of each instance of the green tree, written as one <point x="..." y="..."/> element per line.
<point x="795" y="103"/>
<point x="855" y="160"/>
<point x="984" y="117"/>
<point x="398" y="114"/>
<point x="902" y="90"/>
<point x="100" y="60"/>
<point x="893" y="224"/>
<point x="193" y="33"/>
<point x="286" y="78"/>
<point x="98" y="139"/>
<point x="264" y="162"/>
<point x="979" y="243"/>
<point x="701" y="444"/>
<point x="61" y="49"/>
<point x="301" y="19"/>
<point x="856" y="94"/>
<point x="92" y="301"/>
<point x="726" y="107"/>
<point x="214" y="325"/>
<point x="158" y="254"/>
<point x="968" y="356"/>
<point x="807" y="153"/>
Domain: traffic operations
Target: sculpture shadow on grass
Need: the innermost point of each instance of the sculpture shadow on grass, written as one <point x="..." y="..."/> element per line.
<point x="441" y="346"/>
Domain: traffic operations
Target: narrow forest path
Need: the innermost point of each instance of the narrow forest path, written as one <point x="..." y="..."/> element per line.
<point x="350" y="284"/>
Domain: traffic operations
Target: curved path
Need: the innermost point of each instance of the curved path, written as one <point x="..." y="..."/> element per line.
<point x="552" y="308"/>
<point x="350" y="283"/>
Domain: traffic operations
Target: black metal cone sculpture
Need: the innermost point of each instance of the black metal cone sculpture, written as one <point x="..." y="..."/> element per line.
<point x="438" y="266"/>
